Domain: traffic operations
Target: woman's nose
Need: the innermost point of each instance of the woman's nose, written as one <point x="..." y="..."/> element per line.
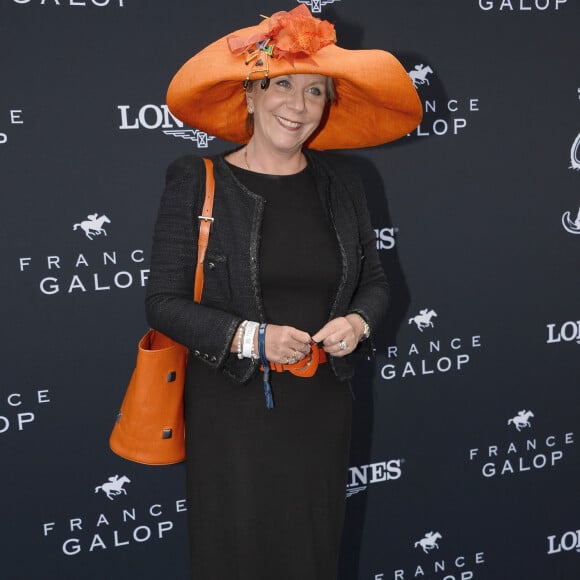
<point x="296" y="101"/>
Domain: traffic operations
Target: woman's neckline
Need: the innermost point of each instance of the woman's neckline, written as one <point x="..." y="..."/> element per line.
<point x="247" y="171"/>
<point x="239" y="158"/>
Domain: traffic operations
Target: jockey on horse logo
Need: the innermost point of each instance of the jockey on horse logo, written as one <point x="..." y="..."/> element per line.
<point x="423" y="319"/>
<point x="93" y="225"/>
<point x="521" y="420"/>
<point x="429" y="542"/>
<point x="419" y="75"/>
<point x="114" y="486"/>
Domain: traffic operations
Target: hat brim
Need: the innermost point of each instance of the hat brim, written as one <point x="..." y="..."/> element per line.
<point x="376" y="100"/>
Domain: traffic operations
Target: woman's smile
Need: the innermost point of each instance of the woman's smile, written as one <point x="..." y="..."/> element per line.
<point x="288" y="124"/>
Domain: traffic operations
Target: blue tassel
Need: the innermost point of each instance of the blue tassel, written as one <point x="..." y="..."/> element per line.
<point x="265" y="364"/>
<point x="268" y="390"/>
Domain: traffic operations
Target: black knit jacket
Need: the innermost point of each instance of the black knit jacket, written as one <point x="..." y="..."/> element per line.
<point x="231" y="291"/>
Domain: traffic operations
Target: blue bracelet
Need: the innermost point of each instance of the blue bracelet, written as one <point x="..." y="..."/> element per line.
<point x="265" y="364"/>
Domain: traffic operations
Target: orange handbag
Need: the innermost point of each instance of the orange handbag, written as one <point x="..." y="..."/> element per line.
<point x="150" y="426"/>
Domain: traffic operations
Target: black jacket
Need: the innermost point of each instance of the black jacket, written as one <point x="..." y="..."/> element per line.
<point x="231" y="291"/>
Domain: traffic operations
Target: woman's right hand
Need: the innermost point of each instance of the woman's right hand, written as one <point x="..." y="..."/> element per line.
<point x="285" y="344"/>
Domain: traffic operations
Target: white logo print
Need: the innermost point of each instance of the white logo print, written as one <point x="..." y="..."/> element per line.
<point x="153" y="117"/>
<point x="521" y="420"/>
<point x="571" y="226"/>
<point x="419" y="74"/>
<point x="521" y="6"/>
<point x="93" y="225"/>
<point x="568" y="542"/>
<point x="114" y="486"/>
<point x="360" y="477"/>
<point x="569" y="332"/>
<point x="575" y="154"/>
<point x="429" y="542"/>
<point x="423" y="319"/>
<point x="513" y="458"/>
<point x="316" y="5"/>
<point x="195" y="135"/>
<point x="442" y="116"/>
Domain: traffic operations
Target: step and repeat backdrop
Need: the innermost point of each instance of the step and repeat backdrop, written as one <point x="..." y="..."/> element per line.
<point x="466" y="445"/>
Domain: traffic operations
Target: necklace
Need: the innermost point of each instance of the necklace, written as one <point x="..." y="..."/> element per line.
<point x="246" y="159"/>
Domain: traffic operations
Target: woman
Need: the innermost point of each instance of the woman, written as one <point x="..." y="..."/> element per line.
<point x="293" y="286"/>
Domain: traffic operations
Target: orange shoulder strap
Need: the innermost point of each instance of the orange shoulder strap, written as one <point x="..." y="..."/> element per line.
<point x="205" y="222"/>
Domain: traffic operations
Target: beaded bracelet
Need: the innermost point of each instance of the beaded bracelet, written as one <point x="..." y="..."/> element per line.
<point x="240" y="335"/>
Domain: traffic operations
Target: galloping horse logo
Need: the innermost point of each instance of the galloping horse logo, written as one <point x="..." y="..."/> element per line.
<point x="114" y="486"/>
<point x="521" y="420"/>
<point x="571" y="226"/>
<point x="429" y="542"/>
<point x="419" y="74"/>
<point x="93" y="225"/>
<point x="423" y="319"/>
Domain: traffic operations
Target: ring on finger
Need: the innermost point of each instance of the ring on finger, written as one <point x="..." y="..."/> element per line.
<point x="342" y="345"/>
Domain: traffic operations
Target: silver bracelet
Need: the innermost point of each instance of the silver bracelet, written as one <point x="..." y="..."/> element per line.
<point x="249" y="334"/>
<point x="366" y="328"/>
<point x="241" y="333"/>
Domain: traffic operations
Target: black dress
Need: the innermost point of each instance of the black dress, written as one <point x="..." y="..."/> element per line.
<point x="266" y="488"/>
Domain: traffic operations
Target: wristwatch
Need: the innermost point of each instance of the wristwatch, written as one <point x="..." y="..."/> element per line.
<point x="366" y="329"/>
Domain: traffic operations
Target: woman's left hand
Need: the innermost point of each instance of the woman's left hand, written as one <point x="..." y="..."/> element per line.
<point x="340" y="336"/>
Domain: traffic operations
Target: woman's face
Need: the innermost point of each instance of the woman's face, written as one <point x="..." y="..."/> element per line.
<point x="288" y="111"/>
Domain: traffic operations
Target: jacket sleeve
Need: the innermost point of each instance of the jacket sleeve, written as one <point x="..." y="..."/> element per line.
<point x="207" y="332"/>
<point x="371" y="297"/>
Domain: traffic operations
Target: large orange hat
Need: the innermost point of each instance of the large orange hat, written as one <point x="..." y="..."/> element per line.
<point x="376" y="100"/>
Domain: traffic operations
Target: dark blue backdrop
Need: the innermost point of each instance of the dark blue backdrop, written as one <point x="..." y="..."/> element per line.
<point x="465" y="460"/>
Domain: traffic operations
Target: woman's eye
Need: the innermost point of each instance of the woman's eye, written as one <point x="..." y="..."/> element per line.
<point x="283" y="83"/>
<point x="316" y="91"/>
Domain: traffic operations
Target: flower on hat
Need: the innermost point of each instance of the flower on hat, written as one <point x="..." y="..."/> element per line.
<point x="294" y="34"/>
